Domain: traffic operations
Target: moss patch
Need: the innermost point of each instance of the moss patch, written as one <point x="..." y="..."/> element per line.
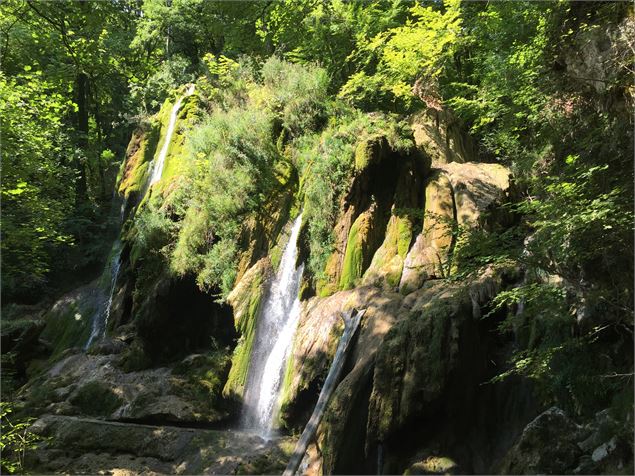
<point x="359" y="250"/>
<point x="246" y="301"/>
<point x="96" y="399"/>
<point x="69" y="322"/>
<point x="205" y="375"/>
<point x="141" y="150"/>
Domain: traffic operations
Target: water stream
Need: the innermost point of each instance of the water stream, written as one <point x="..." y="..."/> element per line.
<point x="276" y="328"/>
<point x="351" y="318"/>
<point x="102" y="314"/>
<point x="159" y="162"/>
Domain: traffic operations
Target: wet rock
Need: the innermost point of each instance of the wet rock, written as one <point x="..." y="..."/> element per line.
<point x="94" y="385"/>
<point x="80" y="445"/>
<point x="108" y="347"/>
<point x="548" y="445"/>
<point x="317" y="337"/>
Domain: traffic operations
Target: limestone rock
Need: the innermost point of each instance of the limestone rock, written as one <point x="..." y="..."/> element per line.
<point x="457" y="195"/>
<point x="81" y="445"/>
<point x="94" y="385"/>
<point x="548" y="445"/>
<point x="245" y="299"/>
<point x="317" y="337"/>
<point x="476" y="188"/>
<point x="442" y="137"/>
<point x="428" y="256"/>
<point x="434" y="465"/>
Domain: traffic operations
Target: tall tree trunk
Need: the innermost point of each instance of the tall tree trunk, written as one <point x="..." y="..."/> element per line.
<point x="82" y="129"/>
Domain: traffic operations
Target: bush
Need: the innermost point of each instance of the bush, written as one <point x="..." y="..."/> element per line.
<point x="296" y="94"/>
<point x="234" y="156"/>
<point x="15" y="440"/>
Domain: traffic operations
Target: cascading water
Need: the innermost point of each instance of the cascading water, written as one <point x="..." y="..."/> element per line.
<point x="100" y="318"/>
<point x="274" y="335"/>
<point x="157" y="169"/>
<point x="102" y="314"/>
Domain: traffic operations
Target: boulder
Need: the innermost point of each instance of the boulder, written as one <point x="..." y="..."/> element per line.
<point x="548" y="445"/>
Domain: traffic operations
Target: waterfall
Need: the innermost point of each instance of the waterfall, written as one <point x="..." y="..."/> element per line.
<point x="102" y="314"/>
<point x="157" y="169"/>
<point x="274" y="335"/>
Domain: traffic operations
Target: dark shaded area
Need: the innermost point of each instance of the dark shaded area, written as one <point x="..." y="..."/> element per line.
<point x="183" y="319"/>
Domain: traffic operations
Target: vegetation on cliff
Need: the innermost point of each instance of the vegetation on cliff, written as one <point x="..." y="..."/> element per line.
<point x="314" y="106"/>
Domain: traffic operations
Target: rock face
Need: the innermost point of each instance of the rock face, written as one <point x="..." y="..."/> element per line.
<point x="96" y="385"/>
<point x="553" y="443"/>
<point x="87" y="446"/>
<point x="457" y="195"/>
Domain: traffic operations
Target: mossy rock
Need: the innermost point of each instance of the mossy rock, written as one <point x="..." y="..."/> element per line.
<point x="387" y="264"/>
<point x="246" y="300"/>
<point x="204" y="375"/>
<point x="141" y="150"/>
<point x="69" y="322"/>
<point x="96" y="398"/>
<point x="360" y="247"/>
<point x="368" y="150"/>
<point x="434" y="465"/>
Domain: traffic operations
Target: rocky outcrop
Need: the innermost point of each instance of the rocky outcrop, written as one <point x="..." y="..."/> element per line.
<point x="246" y="301"/>
<point x="386" y="183"/>
<point x="553" y="443"/>
<point x="96" y="385"/>
<point x="457" y="197"/>
<point x="88" y="446"/>
<point x="442" y="137"/>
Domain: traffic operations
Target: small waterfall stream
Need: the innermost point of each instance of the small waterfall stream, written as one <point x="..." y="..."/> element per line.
<point x="100" y="318"/>
<point x="274" y="336"/>
<point x="157" y="169"/>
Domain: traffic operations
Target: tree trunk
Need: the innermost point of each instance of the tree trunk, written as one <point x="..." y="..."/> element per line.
<point x="82" y="141"/>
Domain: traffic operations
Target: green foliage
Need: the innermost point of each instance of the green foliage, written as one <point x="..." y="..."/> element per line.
<point x="37" y="183"/>
<point x="234" y="156"/>
<point x="296" y="94"/>
<point x="15" y="440"/>
<point x="410" y="58"/>
<point x="334" y="33"/>
<point x="151" y="93"/>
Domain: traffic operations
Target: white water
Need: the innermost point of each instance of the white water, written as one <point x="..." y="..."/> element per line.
<point x="102" y="314"/>
<point x="157" y="169"/>
<point x="277" y="324"/>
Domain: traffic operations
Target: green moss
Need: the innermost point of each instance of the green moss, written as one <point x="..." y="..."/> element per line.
<point x="363" y="154"/>
<point x="69" y="324"/>
<point x="404" y="228"/>
<point x="96" y="399"/>
<point x="247" y="314"/>
<point x="176" y="159"/>
<point x="286" y="395"/>
<point x="134" y="358"/>
<point x="352" y="268"/>
<point x="205" y="375"/>
<point x="141" y="150"/>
